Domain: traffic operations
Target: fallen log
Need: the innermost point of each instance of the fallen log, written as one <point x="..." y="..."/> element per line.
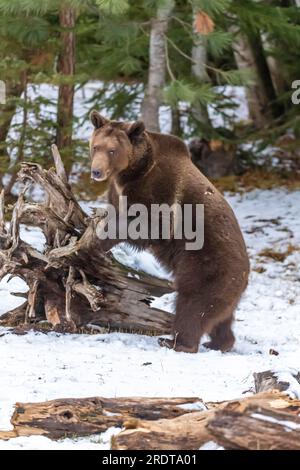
<point x="85" y="416"/>
<point x="190" y="432"/>
<point x="73" y="283"/>
<point x="256" y="428"/>
<point x="187" y="432"/>
<point x="263" y="421"/>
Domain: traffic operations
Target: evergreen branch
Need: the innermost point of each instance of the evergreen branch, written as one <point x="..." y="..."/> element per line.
<point x="185" y="24"/>
<point x="232" y="77"/>
<point x="179" y="50"/>
<point x="212" y="7"/>
<point x="113" y="7"/>
<point x="172" y="76"/>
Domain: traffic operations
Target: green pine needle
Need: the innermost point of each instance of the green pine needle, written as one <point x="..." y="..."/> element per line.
<point x="113" y="7"/>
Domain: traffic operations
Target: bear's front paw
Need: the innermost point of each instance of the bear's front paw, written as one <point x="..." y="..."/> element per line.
<point x="173" y="344"/>
<point x="223" y="347"/>
<point x="166" y="343"/>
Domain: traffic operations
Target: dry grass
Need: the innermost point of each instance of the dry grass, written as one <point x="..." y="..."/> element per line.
<point x="259" y="269"/>
<point x="260" y="178"/>
<point x="278" y="256"/>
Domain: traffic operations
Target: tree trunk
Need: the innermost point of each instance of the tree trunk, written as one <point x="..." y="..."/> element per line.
<point x="157" y="67"/>
<point x="199" y="71"/>
<point x="176" y="124"/>
<point x="73" y="282"/>
<point x="264" y="73"/>
<point x="274" y="66"/>
<point x="7" y="112"/>
<point x="21" y="142"/>
<point x="66" y="67"/>
<point x="257" y="96"/>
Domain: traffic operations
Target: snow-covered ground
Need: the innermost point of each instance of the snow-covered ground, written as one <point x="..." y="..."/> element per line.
<point x="37" y="367"/>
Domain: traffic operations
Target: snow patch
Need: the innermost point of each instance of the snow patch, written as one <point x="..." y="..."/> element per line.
<point x="197" y="406"/>
<point x="290" y="425"/>
<point x="37" y="367"/>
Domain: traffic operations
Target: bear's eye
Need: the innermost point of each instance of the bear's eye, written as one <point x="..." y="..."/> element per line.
<point x="96" y="148"/>
<point x="111" y="152"/>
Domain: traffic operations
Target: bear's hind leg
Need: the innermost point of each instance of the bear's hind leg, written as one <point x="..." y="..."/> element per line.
<point x="222" y="337"/>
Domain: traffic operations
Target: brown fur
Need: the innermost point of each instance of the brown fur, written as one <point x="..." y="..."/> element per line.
<point x="152" y="168"/>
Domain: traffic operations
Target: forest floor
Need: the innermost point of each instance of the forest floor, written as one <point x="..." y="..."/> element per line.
<point x="38" y="367"/>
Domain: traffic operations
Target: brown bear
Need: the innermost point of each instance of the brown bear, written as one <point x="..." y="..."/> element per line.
<point x="152" y="168"/>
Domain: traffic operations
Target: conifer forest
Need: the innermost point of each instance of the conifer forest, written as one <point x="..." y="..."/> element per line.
<point x="115" y="342"/>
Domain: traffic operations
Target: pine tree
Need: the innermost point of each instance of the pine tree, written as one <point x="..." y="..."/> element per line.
<point x="112" y="48"/>
<point x="270" y="23"/>
<point x="24" y="52"/>
<point x="66" y="68"/>
<point x="157" y="65"/>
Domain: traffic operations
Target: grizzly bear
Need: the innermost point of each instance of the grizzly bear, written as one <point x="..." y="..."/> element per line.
<point x="152" y="168"/>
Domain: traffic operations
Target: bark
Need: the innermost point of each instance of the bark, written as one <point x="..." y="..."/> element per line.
<point x="267" y="420"/>
<point x="21" y="143"/>
<point x="157" y="67"/>
<point x="86" y="416"/>
<point x="264" y="73"/>
<point x="257" y="95"/>
<point x="7" y="111"/>
<point x="268" y="380"/>
<point x="274" y="66"/>
<point x="13" y="91"/>
<point x="199" y="71"/>
<point x="73" y="282"/>
<point x="256" y="428"/>
<point x="189" y="432"/>
<point x="66" y="67"/>
<point x="176" y="124"/>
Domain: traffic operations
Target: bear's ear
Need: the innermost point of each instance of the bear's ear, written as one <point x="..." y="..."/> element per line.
<point x="97" y="120"/>
<point x="135" y="130"/>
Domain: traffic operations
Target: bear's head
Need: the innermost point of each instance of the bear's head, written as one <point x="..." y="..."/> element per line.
<point x="114" y="146"/>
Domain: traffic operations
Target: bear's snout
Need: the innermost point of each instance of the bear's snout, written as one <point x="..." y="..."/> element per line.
<point x="97" y="175"/>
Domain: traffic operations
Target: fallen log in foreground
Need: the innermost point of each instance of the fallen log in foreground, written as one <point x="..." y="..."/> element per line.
<point x="266" y="421"/>
<point x="257" y="428"/>
<point x="86" y="416"/>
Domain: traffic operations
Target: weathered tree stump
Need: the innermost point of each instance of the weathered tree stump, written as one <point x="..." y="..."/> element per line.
<point x="73" y="282"/>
